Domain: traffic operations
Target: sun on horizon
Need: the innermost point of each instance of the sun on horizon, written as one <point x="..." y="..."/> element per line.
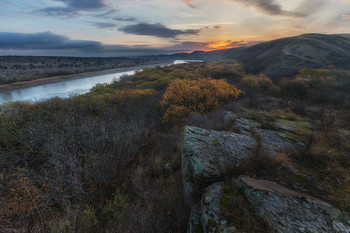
<point x="131" y="27"/>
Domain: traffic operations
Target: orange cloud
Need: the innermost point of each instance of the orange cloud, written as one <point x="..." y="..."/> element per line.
<point x="217" y="45"/>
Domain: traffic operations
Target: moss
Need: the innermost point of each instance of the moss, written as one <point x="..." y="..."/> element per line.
<point x="228" y="153"/>
<point x="299" y="127"/>
<point x="229" y="191"/>
<point x="288" y="136"/>
<point x="215" y="142"/>
<point x="252" y="123"/>
<point x="292" y="131"/>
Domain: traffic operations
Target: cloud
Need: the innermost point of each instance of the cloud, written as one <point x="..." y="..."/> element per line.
<point x="207" y="46"/>
<point x="345" y="16"/>
<point x="107" y="14"/>
<point x="299" y="27"/>
<point x="308" y="7"/>
<point x="235" y="44"/>
<point x="125" y="19"/>
<point x="187" y="46"/>
<point x="50" y="44"/>
<point x="157" y="30"/>
<point x="189" y="4"/>
<point x="104" y="25"/>
<point x="217" y="27"/>
<point x="74" y="7"/>
<point x="42" y="40"/>
<point x="270" y="7"/>
<point x="84" y="4"/>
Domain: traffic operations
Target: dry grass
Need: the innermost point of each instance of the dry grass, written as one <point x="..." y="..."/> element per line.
<point x="281" y="160"/>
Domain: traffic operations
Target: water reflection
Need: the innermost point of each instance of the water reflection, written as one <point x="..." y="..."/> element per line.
<point x="65" y="88"/>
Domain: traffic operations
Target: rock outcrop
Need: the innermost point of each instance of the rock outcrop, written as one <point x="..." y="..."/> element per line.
<point x="209" y="156"/>
<point x="282" y="209"/>
<point x="288" y="211"/>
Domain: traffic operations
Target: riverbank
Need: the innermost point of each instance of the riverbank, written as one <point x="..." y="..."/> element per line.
<point x="41" y="81"/>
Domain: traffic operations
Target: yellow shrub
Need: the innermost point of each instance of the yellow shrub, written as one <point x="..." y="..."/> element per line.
<point x="183" y="97"/>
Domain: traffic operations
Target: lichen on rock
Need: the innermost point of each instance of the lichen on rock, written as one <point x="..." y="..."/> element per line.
<point x="286" y="210"/>
<point x="246" y="204"/>
<point x="204" y="162"/>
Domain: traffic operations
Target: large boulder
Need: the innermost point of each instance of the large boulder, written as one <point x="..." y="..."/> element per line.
<point x="288" y="211"/>
<point x="245" y="204"/>
<point x="275" y="207"/>
<point x="208" y="155"/>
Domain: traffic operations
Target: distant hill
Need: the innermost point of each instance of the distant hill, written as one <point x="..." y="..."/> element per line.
<point x="284" y="57"/>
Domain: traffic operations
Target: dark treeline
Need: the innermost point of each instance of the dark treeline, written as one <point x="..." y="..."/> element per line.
<point x="23" y="68"/>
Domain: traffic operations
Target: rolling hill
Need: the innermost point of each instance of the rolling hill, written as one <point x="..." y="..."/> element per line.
<point x="285" y="56"/>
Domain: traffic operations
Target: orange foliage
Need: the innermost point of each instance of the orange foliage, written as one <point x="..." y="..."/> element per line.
<point x="183" y="97"/>
<point x="256" y="82"/>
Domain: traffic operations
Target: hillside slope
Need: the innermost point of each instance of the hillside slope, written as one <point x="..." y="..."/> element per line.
<point x="285" y="56"/>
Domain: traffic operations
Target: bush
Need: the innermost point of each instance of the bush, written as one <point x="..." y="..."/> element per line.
<point x="113" y="211"/>
<point x="183" y="97"/>
<point x="256" y="83"/>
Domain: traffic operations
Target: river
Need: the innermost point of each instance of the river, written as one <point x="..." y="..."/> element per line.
<point x="68" y="87"/>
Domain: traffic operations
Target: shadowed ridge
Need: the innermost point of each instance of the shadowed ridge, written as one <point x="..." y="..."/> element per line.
<point x="284" y="57"/>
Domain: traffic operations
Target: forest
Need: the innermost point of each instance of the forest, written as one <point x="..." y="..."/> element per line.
<point x="110" y="160"/>
<point x="27" y="68"/>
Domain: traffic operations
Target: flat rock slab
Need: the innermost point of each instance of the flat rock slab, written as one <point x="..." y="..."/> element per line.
<point x="284" y="134"/>
<point x="288" y="211"/>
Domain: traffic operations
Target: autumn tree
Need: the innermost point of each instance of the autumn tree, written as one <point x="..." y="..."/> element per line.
<point x="256" y="82"/>
<point x="183" y="97"/>
<point x="316" y="78"/>
<point x="317" y="84"/>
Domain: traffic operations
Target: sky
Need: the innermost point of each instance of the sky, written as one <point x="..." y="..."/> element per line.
<point x="141" y="27"/>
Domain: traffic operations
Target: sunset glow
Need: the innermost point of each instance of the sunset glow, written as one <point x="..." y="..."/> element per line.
<point x="133" y="27"/>
<point x="221" y="45"/>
